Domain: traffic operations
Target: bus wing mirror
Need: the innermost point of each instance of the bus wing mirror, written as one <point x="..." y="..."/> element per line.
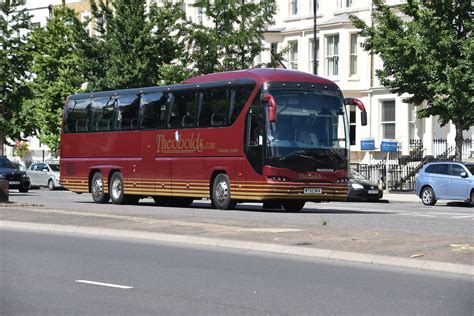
<point x="272" y="107"/>
<point x="360" y="106"/>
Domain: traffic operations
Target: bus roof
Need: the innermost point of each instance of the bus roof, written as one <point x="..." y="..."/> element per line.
<point x="262" y="75"/>
<point x="259" y="75"/>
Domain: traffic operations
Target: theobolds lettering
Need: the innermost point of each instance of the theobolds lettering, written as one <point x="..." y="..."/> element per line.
<point x="184" y="144"/>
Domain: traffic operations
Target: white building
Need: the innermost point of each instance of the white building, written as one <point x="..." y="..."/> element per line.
<point x="341" y="59"/>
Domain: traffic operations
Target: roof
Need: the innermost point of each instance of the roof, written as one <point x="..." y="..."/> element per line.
<point x="259" y="75"/>
<point x="262" y="75"/>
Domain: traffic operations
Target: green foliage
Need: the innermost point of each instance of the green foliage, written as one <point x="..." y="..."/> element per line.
<point x="429" y="54"/>
<point x="132" y="45"/>
<point x="58" y="59"/>
<point x="234" y="36"/>
<point x="14" y="62"/>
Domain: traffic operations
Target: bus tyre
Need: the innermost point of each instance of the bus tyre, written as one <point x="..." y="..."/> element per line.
<point x="221" y="193"/>
<point x="293" y="205"/>
<point x="428" y="196"/>
<point x="97" y="189"/>
<point x="116" y="189"/>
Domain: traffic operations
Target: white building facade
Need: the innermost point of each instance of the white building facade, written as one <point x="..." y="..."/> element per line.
<point x="341" y="59"/>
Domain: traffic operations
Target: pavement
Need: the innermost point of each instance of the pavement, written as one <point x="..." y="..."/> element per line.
<point x="401" y="197"/>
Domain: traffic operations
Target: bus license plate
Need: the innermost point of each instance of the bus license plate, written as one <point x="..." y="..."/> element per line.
<point x="312" y="191"/>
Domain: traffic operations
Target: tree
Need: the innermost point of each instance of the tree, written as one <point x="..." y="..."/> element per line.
<point x="14" y="62"/>
<point x="428" y="53"/>
<point x="58" y="52"/>
<point x="233" y="36"/>
<point x="132" y="44"/>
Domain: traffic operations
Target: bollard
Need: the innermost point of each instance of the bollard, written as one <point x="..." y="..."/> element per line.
<point x="4" y="191"/>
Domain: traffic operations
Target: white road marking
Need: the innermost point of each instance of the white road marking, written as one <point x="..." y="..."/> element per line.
<point x="125" y="287"/>
<point x="463" y="216"/>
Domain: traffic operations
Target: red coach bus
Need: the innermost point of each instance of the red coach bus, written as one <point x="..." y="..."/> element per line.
<point x="270" y="135"/>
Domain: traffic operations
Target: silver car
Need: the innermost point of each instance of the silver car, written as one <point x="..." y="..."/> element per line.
<point x="44" y="174"/>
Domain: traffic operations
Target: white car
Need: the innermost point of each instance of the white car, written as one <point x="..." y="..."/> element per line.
<point x="44" y="174"/>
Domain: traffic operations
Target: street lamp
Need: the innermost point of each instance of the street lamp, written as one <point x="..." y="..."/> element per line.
<point x="315" y="59"/>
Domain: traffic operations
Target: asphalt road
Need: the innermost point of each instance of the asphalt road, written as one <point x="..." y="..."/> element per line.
<point x="443" y="219"/>
<point x="60" y="274"/>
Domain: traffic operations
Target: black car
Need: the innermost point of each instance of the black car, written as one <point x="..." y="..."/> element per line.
<point x="16" y="178"/>
<point x="362" y="189"/>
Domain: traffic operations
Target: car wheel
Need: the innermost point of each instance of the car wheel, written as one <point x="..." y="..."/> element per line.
<point x="51" y="185"/>
<point x="293" y="205"/>
<point x="472" y="198"/>
<point x="97" y="189"/>
<point x="428" y="196"/>
<point x="221" y="193"/>
<point x="24" y="189"/>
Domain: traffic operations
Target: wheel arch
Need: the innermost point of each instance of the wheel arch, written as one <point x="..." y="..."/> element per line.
<point x="214" y="174"/>
<point x="423" y="187"/>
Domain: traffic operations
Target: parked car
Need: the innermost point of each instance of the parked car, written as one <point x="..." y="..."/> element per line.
<point x="362" y="189"/>
<point x="45" y="174"/>
<point x="16" y="178"/>
<point x="447" y="180"/>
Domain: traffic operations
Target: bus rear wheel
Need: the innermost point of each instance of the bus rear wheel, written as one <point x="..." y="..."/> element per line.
<point x="116" y="189"/>
<point x="293" y="205"/>
<point x="97" y="189"/>
<point x="221" y="193"/>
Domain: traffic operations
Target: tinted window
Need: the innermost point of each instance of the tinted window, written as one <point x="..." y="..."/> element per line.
<point x="470" y="168"/>
<point x="183" y="110"/>
<point x="102" y="114"/>
<point x="214" y="104"/>
<point x="154" y="110"/>
<point x="456" y="170"/>
<point x="242" y="94"/>
<point x="438" y="169"/>
<point x="127" y="112"/>
<point x="78" y="116"/>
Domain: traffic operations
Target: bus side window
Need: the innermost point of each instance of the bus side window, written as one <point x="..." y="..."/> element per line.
<point x="78" y="119"/>
<point x="240" y="98"/>
<point x="214" y="104"/>
<point x="183" y="110"/>
<point x="127" y="112"/>
<point x="154" y="110"/>
<point x="69" y="125"/>
<point x="98" y="122"/>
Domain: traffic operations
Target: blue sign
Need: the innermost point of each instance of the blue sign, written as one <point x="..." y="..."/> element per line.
<point x="389" y="146"/>
<point x="367" y="144"/>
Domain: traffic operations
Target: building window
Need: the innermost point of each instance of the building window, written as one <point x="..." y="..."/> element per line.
<point x="332" y="55"/>
<point x="352" y="124"/>
<point x="412" y="121"/>
<point x="293" y="54"/>
<point x="346" y="3"/>
<point x="274" y="48"/>
<point x="35" y="25"/>
<point x="388" y="119"/>
<point x="353" y="57"/>
<point x="294" y="7"/>
<point x="311" y="54"/>
<point x="199" y="14"/>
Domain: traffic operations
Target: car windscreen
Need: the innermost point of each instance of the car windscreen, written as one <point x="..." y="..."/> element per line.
<point x="470" y="168"/>
<point x="5" y="163"/>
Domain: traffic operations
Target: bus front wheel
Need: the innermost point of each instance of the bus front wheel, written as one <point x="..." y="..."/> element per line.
<point x="221" y="193"/>
<point x="97" y="189"/>
<point x="293" y="205"/>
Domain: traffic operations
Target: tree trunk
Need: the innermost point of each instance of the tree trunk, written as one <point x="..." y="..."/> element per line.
<point x="459" y="140"/>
